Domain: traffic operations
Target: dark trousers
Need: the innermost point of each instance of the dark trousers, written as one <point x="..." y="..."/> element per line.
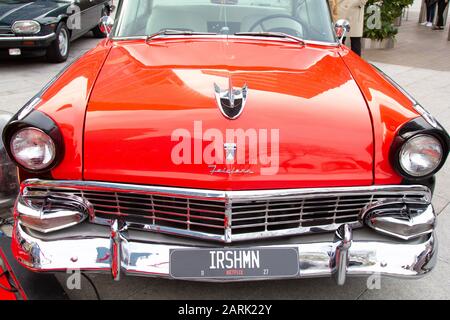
<point x="431" y="11"/>
<point x="442" y="5"/>
<point x="356" y="43"/>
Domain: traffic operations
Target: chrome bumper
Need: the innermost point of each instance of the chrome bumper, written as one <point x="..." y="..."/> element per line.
<point x="115" y="252"/>
<point x="51" y="36"/>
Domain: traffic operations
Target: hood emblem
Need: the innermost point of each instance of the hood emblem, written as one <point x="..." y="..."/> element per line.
<point x="231" y="101"/>
<point x="230" y="151"/>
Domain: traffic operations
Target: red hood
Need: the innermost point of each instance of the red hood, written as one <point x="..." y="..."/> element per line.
<point x="147" y="91"/>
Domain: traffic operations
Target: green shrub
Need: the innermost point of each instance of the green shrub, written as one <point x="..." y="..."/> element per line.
<point x="390" y="10"/>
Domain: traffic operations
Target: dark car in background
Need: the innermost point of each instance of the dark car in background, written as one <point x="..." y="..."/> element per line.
<point x="46" y="27"/>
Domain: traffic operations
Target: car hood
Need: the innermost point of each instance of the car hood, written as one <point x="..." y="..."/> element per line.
<point x="153" y="117"/>
<point x="11" y="11"/>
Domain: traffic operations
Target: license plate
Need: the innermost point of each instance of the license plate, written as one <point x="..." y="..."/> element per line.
<point x="15" y="52"/>
<point x="234" y="263"/>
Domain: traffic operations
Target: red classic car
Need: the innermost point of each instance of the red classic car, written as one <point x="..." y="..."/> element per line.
<point x="223" y="141"/>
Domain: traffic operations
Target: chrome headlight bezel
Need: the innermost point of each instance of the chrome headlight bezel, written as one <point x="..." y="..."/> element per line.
<point x="414" y="129"/>
<point x="34" y="120"/>
<point x="405" y="152"/>
<point x="26" y="27"/>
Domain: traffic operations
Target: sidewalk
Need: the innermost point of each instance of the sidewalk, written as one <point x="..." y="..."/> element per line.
<point x="416" y="46"/>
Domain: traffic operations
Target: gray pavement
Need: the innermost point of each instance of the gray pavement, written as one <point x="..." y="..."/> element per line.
<point x="426" y="79"/>
<point x="21" y="79"/>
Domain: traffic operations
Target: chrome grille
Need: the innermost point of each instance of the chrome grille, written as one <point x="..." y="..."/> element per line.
<point x="166" y="211"/>
<point x="6" y="31"/>
<point x="230" y="216"/>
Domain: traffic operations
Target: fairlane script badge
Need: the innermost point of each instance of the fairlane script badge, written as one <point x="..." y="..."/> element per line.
<point x="234" y="263"/>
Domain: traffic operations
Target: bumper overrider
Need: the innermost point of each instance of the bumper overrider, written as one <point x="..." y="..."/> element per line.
<point x="394" y="237"/>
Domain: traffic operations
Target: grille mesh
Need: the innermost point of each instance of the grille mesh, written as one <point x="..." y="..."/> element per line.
<point x="5" y="31"/>
<point x="210" y="216"/>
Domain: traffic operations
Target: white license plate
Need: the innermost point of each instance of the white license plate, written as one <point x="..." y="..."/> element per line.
<point x="15" y="52"/>
<point x="236" y="263"/>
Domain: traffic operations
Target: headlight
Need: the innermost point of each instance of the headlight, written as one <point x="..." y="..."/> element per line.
<point x="421" y="155"/>
<point x="26" y="27"/>
<point x="33" y="149"/>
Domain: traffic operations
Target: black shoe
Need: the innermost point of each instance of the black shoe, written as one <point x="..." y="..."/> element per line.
<point x="438" y="28"/>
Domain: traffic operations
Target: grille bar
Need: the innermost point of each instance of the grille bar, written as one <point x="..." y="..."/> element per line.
<point x="225" y="216"/>
<point x="6" y="31"/>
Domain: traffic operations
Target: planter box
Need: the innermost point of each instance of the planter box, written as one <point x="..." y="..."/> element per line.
<point x="368" y="44"/>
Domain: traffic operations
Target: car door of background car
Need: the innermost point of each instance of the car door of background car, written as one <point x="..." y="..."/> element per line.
<point x="76" y="22"/>
<point x="92" y="14"/>
<point x="85" y="16"/>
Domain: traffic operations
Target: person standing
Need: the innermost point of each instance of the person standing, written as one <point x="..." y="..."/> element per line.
<point x="431" y="12"/>
<point x="353" y="11"/>
<point x="442" y="5"/>
<point x="334" y="9"/>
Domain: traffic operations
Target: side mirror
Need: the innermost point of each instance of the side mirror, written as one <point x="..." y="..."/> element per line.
<point x="106" y="25"/>
<point x="342" y="27"/>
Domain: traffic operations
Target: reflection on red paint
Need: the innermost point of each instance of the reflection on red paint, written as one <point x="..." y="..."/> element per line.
<point x="118" y="105"/>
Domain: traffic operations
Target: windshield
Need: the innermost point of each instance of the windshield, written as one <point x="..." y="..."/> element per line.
<point x="306" y="19"/>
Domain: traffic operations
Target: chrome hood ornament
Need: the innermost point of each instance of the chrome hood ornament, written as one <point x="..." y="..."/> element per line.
<point x="231" y="101"/>
<point x="230" y="152"/>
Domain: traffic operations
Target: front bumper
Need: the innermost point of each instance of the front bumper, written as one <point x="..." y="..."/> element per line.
<point x="27" y="41"/>
<point x="89" y="247"/>
<point x="30" y="46"/>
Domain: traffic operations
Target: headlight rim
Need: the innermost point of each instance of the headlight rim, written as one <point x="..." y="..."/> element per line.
<point x="50" y="164"/>
<point x="39" y="120"/>
<point x="398" y="163"/>
<point x="25" y="21"/>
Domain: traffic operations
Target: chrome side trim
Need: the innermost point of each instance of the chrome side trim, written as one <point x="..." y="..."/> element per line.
<point x="146" y="258"/>
<point x="29" y="38"/>
<point x="416" y="105"/>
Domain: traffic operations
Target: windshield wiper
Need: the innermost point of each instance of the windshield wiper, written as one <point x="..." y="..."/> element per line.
<point x="270" y="34"/>
<point x="174" y="32"/>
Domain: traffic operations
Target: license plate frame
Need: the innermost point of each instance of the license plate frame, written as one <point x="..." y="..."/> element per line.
<point x="14" y="52"/>
<point x="224" y="263"/>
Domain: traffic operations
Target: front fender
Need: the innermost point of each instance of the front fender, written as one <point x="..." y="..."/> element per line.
<point x="9" y="186"/>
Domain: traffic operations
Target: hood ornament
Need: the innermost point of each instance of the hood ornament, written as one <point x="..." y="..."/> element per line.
<point x="230" y="152"/>
<point x="231" y="101"/>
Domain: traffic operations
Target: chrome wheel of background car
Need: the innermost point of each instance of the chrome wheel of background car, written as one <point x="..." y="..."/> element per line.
<point x="58" y="51"/>
<point x="63" y="40"/>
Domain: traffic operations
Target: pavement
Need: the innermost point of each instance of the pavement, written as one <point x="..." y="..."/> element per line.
<point x="419" y="62"/>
